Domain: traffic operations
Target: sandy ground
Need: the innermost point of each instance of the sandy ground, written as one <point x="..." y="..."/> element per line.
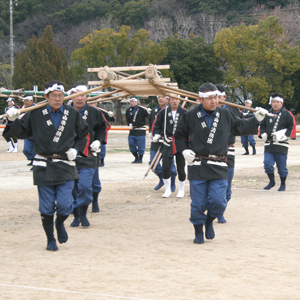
<point x="140" y="245"/>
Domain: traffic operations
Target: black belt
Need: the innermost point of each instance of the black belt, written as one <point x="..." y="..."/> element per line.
<point x="55" y="156"/>
<point x="213" y="158"/>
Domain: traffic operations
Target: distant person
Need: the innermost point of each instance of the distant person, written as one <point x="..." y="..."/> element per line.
<point x="163" y="102"/>
<point x="165" y="128"/>
<point x="11" y="140"/>
<point x="275" y="133"/>
<point x="248" y="139"/>
<point x="136" y="120"/>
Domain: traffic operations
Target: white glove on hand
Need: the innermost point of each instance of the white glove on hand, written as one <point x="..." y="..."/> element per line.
<point x="110" y="114"/>
<point x="283" y="138"/>
<point x="71" y="154"/>
<point x="13" y="114"/>
<point x="189" y="156"/>
<point x="130" y="126"/>
<point x="149" y="110"/>
<point x="156" y="138"/>
<point x="260" y="113"/>
<point x="264" y="136"/>
<point x="95" y="146"/>
<point x="279" y="136"/>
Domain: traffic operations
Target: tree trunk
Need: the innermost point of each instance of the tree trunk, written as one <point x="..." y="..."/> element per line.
<point x="118" y="112"/>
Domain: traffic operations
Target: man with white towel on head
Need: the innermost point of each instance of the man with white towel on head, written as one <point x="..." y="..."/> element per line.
<point x="275" y="133"/>
<point x="59" y="135"/>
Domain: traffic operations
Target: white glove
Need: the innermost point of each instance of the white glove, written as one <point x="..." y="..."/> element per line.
<point x="283" y="138"/>
<point x="95" y="146"/>
<point x="110" y="114"/>
<point x="71" y="154"/>
<point x="264" y="136"/>
<point x="130" y="126"/>
<point x="156" y="138"/>
<point x="260" y="113"/>
<point x="149" y="110"/>
<point x="150" y="135"/>
<point x="189" y="156"/>
<point x="13" y="114"/>
<point x="279" y="136"/>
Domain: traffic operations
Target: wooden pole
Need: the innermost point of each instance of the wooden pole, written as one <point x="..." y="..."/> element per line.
<point x="152" y="162"/>
<point x="194" y="95"/>
<point x="157" y="161"/>
<point x="110" y="98"/>
<point x="22" y="110"/>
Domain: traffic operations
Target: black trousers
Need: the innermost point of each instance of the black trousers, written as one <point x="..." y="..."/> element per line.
<point x="167" y="158"/>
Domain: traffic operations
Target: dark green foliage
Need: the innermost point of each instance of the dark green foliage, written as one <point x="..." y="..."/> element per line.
<point x="192" y="61"/>
<point x="40" y="62"/>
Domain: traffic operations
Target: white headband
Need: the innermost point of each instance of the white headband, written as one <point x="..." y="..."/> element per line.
<point x="221" y="93"/>
<point x="276" y="98"/>
<point x="249" y="101"/>
<point x="55" y="87"/>
<point x="76" y="89"/>
<point x="10" y="99"/>
<point x="207" y="94"/>
<point x="28" y="98"/>
<point x="133" y="99"/>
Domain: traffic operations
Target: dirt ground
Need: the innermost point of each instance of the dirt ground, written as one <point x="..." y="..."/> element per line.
<point x="140" y="245"/>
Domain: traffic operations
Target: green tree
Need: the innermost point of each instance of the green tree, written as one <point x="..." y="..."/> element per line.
<point x="107" y="47"/>
<point x="40" y="62"/>
<point x="257" y="60"/>
<point x="192" y="61"/>
<point x="134" y="13"/>
<point x="111" y="48"/>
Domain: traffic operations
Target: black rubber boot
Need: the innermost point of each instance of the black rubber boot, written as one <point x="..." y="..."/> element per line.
<point x="136" y="157"/>
<point x="282" y="184"/>
<point x="82" y="215"/>
<point x="247" y="151"/>
<point x="62" y="234"/>
<point x="254" y="150"/>
<point x="199" y="239"/>
<point x="101" y="164"/>
<point x="271" y="183"/>
<point x="95" y="206"/>
<point x="209" y="228"/>
<point x="140" y="159"/>
<point x="160" y="184"/>
<point x="76" y="221"/>
<point x="49" y="230"/>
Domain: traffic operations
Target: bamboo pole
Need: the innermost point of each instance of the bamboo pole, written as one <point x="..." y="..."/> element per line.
<point x="157" y="161"/>
<point x="152" y="162"/>
<point x="22" y="110"/>
<point x="194" y="95"/>
<point x="108" y="99"/>
<point x="104" y="95"/>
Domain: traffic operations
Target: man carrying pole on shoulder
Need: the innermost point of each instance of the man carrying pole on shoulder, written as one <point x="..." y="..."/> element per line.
<point x="136" y="120"/>
<point x="59" y="133"/>
<point x="202" y="137"/>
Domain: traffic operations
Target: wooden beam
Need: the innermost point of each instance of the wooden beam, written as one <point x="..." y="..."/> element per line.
<point x="131" y="68"/>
